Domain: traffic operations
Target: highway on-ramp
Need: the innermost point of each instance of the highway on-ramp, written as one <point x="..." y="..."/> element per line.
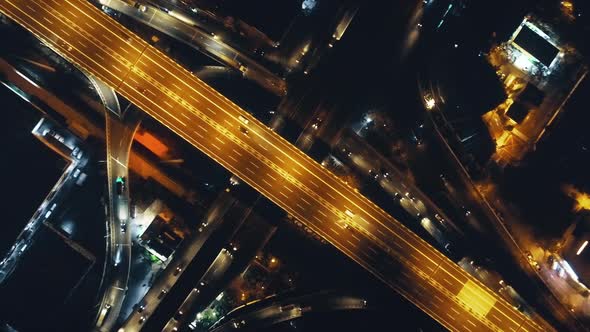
<point x="292" y="180"/>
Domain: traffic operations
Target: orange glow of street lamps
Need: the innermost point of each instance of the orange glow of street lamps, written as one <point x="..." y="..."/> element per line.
<point x="582" y="199"/>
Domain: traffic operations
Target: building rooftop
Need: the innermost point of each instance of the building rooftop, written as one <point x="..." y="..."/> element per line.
<point x="518" y="112"/>
<point x="537" y="46"/>
<point x="539" y="71"/>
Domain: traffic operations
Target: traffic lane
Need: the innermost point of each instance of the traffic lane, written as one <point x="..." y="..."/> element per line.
<point x="421" y="291"/>
<point x="121" y="152"/>
<point x="497" y="317"/>
<point x="303" y="202"/>
<point x="401" y="249"/>
<point x="168" y="76"/>
<point x="486" y="304"/>
<point x="187" y="32"/>
<point x="502" y="311"/>
<point x="217" y="141"/>
<point x="529" y="325"/>
<point x="218" y="267"/>
<point x="67" y="18"/>
<point x="184" y="307"/>
<point x="199" y="39"/>
<point x="166" y="279"/>
<point x="178" y="85"/>
<point x="112" y="28"/>
<point x="266" y="179"/>
<point x="77" y="53"/>
<point x="431" y="297"/>
<point x="188" y="119"/>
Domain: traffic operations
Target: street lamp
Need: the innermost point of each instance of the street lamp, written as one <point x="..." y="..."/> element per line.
<point x="430" y="102"/>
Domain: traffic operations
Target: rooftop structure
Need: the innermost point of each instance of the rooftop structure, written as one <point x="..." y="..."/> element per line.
<point x="532" y="42"/>
<point x="539" y="71"/>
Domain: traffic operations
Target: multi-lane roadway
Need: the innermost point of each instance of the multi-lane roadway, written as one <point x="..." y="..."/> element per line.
<point x="236" y="140"/>
<point x="183" y="28"/>
<point x="119" y="136"/>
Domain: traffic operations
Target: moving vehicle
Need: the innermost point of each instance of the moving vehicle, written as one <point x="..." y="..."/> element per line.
<point x="178" y="269"/>
<point x="120" y="185"/>
<point x="77" y="153"/>
<point x="162" y="293"/>
<point x="103" y="314"/>
<point x="243" y="119"/>
<point x="439" y="218"/>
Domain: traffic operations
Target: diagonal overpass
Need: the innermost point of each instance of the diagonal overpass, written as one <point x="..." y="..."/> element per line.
<point x="203" y="117"/>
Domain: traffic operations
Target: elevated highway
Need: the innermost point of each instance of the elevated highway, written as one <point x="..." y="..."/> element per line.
<point x="282" y="173"/>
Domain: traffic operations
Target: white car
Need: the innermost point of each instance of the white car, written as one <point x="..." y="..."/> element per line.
<point x="243" y="119"/>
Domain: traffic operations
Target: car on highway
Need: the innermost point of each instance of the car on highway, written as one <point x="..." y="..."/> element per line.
<point x="417" y="134"/>
<point x="243" y="119"/>
<point x="133" y="209"/>
<point x="120" y="185"/>
<point x="103" y="314"/>
<point x="373" y="174"/>
<point x="123" y="227"/>
<point x="53" y="134"/>
<point x="59" y="137"/>
<point x="439" y="218"/>
<point x="118" y="256"/>
<point x="317" y="123"/>
<point x="410" y="196"/>
<point x="141" y="7"/>
<point x="532" y="260"/>
<point x="348" y="153"/>
<point x="77" y="153"/>
<point x="450" y="248"/>
<point x="162" y="293"/>
<point x="239" y="323"/>
<point x="244" y="130"/>
<point x="466" y="211"/>
<point x="178" y="269"/>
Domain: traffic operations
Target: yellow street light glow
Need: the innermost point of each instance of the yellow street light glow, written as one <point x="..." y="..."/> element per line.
<point x="430" y="103"/>
<point x="582" y="247"/>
